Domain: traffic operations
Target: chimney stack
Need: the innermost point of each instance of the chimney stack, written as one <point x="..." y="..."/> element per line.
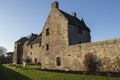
<point x="73" y="14"/>
<point x="55" y="5"/>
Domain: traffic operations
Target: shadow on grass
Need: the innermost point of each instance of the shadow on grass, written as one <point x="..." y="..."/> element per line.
<point x="108" y="74"/>
<point x="8" y="74"/>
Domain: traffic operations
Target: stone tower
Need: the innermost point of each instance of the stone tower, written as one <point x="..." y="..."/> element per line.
<point x="18" y="50"/>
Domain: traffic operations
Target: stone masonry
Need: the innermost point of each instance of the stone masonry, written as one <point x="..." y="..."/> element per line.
<point x="105" y="52"/>
<point x="63" y="43"/>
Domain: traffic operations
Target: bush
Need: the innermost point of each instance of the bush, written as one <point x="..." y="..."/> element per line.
<point x="89" y="63"/>
<point x="39" y="63"/>
<point x="25" y="67"/>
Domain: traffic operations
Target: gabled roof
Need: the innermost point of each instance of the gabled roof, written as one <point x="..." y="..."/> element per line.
<point x="32" y="38"/>
<point x="73" y="20"/>
<point x="22" y="40"/>
<point x="37" y="40"/>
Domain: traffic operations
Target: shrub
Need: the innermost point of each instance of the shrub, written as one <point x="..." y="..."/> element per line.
<point x="28" y="60"/>
<point x="89" y="63"/>
<point x="25" y="67"/>
<point x="39" y="63"/>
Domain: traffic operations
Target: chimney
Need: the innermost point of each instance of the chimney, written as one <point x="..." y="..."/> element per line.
<point x="55" y="5"/>
<point x="32" y="34"/>
<point x="73" y="14"/>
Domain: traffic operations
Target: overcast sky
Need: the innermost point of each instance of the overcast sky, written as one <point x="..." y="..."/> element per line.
<point x="19" y="18"/>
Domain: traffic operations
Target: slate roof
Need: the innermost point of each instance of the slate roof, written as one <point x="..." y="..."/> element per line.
<point x="22" y="40"/>
<point x="75" y="21"/>
<point x="32" y="38"/>
<point x="37" y="40"/>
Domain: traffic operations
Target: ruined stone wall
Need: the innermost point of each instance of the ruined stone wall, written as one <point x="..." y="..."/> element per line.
<point x="105" y="52"/>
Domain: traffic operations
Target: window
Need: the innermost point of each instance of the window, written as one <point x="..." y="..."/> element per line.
<point x="35" y="60"/>
<point x="47" y="46"/>
<point x="47" y="31"/>
<point x="80" y="42"/>
<point x="58" y="61"/>
<point x="80" y="31"/>
<point x="31" y="46"/>
<point x="19" y="43"/>
<point x="39" y="44"/>
<point x="30" y="52"/>
<point x="15" y="47"/>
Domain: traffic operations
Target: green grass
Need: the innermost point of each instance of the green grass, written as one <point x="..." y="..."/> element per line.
<point x="11" y="73"/>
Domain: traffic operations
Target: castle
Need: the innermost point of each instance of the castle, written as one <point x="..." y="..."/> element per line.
<point x="63" y="44"/>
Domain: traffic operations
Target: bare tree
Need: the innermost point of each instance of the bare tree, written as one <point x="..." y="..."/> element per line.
<point x="2" y="50"/>
<point x="2" y="54"/>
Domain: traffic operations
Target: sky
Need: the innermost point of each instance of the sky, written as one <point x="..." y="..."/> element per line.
<point x="19" y="18"/>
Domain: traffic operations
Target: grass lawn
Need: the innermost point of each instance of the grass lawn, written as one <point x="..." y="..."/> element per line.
<point x="11" y="73"/>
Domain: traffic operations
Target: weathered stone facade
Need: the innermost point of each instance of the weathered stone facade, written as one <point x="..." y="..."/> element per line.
<point x="34" y="52"/>
<point x="18" y="50"/>
<point x="64" y="30"/>
<point x="105" y="52"/>
<point x="65" y="40"/>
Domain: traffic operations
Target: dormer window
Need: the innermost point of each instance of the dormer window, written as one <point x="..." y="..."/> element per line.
<point x="47" y="31"/>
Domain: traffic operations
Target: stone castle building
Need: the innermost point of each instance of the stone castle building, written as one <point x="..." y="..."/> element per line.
<point x="63" y="44"/>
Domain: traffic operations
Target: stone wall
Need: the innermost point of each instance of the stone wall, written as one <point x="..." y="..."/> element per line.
<point x="60" y="31"/>
<point x="25" y="51"/>
<point x="15" y="53"/>
<point x="34" y="52"/>
<point x="56" y="40"/>
<point x="60" y="48"/>
<point x="18" y="53"/>
<point x="105" y="52"/>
